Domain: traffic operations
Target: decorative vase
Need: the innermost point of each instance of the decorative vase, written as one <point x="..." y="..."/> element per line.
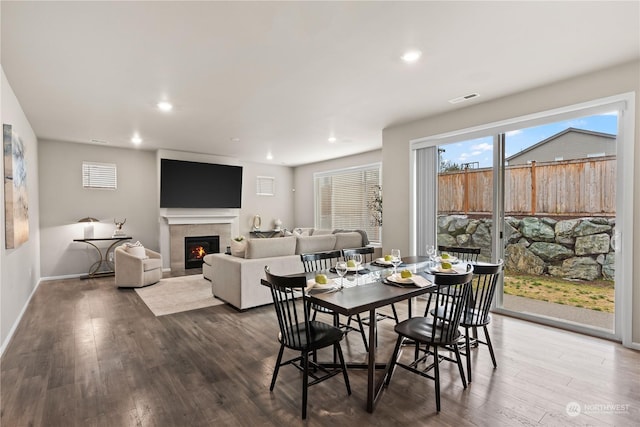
<point x="257" y="222"/>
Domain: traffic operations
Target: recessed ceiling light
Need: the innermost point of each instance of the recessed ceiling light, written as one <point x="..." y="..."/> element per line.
<point x="411" y="56"/>
<point x="136" y="139"/>
<point x="165" y="106"/>
<point x="269" y="156"/>
<point x="332" y="139"/>
<point x="235" y="139"/>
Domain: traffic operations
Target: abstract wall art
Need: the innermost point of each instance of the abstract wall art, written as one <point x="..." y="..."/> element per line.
<point x="16" y="208"/>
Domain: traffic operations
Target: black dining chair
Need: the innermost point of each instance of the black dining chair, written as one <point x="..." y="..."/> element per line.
<point x="435" y="332"/>
<point x="319" y="261"/>
<point x="367" y="257"/>
<point x="299" y="333"/>
<point x="462" y="253"/>
<point x="483" y="288"/>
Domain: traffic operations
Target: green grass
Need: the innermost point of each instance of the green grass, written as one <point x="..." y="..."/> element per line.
<point x="597" y="295"/>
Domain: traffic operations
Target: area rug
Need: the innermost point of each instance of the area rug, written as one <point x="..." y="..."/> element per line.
<point x="177" y="294"/>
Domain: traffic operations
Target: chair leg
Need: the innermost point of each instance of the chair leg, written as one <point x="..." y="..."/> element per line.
<point x="305" y="383"/>
<point x="392" y="362"/>
<point x="459" y="363"/>
<point x="467" y="349"/>
<point x="364" y="335"/>
<point x="488" y="340"/>
<point x="395" y="314"/>
<point x="344" y="368"/>
<point x="436" y="375"/>
<point x="275" y="371"/>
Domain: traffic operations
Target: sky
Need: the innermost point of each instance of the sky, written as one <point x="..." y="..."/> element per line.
<point x="481" y="150"/>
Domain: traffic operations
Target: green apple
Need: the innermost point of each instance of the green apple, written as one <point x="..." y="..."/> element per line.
<point x="444" y="256"/>
<point x="351" y="263"/>
<point x="321" y="279"/>
<point x="388" y="258"/>
<point x="446" y="266"/>
<point x="405" y="274"/>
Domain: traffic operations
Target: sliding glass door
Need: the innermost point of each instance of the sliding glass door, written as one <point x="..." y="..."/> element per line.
<point x="543" y="195"/>
<point x="560" y="221"/>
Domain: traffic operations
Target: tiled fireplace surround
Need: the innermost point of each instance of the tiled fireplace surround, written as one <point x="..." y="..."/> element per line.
<point x="187" y="226"/>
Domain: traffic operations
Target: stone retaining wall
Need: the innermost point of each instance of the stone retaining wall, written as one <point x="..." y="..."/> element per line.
<point x="572" y="249"/>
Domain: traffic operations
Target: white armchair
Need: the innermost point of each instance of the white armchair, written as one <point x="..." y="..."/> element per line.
<point x="134" y="271"/>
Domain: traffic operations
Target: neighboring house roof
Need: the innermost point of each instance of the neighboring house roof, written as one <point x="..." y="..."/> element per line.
<point x="558" y="135"/>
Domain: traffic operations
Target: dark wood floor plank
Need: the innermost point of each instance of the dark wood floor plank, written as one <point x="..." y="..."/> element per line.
<point x="89" y="354"/>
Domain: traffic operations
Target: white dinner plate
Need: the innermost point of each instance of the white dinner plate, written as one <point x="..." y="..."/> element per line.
<point x="397" y="278"/>
<point x="450" y="260"/>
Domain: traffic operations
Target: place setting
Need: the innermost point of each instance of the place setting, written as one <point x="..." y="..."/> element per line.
<point x="406" y="277"/>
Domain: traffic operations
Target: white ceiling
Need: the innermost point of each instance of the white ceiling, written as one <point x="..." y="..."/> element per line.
<point x="284" y="76"/>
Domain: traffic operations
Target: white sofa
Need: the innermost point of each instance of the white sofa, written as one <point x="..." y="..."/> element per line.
<point x="236" y="280"/>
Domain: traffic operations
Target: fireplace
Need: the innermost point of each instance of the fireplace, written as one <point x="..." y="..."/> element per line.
<point x="196" y="247"/>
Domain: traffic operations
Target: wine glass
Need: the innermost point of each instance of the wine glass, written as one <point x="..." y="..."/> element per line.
<point x="431" y="252"/>
<point x="341" y="269"/>
<point x="357" y="260"/>
<point x="396" y="259"/>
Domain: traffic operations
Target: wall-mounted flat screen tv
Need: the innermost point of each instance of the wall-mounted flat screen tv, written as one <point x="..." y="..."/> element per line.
<point x="199" y="185"/>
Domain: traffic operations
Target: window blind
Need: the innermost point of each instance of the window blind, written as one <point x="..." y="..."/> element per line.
<point x="343" y="198"/>
<point x="99" y="175"/>
<point x="265" y="186"/>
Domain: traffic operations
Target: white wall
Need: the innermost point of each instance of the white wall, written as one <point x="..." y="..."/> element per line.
<point x="63" y="201"/>
<point x="396" y="152"/>
<point x="303" y="182"/>
<point x="20" y="267"/>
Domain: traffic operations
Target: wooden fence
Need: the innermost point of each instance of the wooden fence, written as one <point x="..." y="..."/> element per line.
<point x="581" y="187"/>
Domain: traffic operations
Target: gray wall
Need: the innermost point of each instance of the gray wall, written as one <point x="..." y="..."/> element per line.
<point x="303" y="182"/>
<point x="396" y="146"/>
<point x="63" y="201"/>
<point x="20" y="267"/>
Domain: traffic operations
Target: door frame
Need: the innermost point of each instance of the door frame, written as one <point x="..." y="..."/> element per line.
<point x="625" y="104"/>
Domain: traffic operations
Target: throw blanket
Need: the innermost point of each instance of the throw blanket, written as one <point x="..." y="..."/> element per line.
<point x="365" y="238"/>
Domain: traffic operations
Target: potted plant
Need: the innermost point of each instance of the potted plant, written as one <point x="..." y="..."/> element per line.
<point x="238" y="246"/>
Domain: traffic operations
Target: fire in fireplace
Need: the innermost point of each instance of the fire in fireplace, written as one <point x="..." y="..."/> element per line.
<point x="195" y="248"/>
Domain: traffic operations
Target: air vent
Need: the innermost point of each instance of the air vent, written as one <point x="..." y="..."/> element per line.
<point x="464" y="98"/>
<point x="98" y="141"/>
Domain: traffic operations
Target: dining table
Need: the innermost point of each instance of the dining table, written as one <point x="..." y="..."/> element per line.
<point x="368" y="296"/>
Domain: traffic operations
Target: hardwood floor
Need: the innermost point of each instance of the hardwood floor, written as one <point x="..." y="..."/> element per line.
<point x="89" y="354"/>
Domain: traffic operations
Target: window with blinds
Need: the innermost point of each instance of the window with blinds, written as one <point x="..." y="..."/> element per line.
<point x="99" y="175"/>
<point x="265" y="186"/>
<point x="344" y="199"/>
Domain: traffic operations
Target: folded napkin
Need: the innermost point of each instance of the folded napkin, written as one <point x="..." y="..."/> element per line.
<point x="455" y="269"/>
<point x="415" y="280"/>
<point x="311" y="284"/>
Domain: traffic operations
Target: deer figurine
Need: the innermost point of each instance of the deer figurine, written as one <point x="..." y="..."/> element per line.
<point x="118" y="231"/>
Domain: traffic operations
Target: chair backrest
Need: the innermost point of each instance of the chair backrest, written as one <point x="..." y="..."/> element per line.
<point x="320" y="260"/>
<point x="485" y="278"/>
<point x="463" y="254"/>
<point x="367" y="253"/>
<point x="293" y="316"/>
<point x="450" y="299"/>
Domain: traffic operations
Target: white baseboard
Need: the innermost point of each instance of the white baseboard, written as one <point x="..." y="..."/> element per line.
<point x="17" y="322"/>
<point x="66" y="276"/>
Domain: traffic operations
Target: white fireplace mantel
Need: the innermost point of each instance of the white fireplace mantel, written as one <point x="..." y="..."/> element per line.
<point x="173" y="219"/>
<point x="175" y="216"/>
